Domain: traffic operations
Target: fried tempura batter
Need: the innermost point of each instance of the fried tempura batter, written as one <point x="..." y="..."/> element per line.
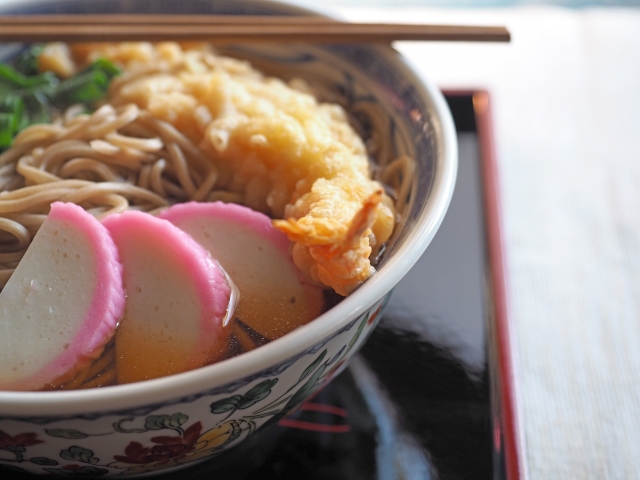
<point x="278" y="149"/>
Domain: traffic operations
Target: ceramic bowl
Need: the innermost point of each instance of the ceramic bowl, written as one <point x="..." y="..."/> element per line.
<point x="174" y="421"/>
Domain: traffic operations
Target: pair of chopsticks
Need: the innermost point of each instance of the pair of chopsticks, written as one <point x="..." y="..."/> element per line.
<point x="229" y="28"/>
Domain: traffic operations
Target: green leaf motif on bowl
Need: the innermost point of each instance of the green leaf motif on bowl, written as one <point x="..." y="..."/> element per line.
<point x="79" y="454"/>
<point x="171" y="422"/>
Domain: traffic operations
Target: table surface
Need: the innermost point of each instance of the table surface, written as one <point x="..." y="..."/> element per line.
<point x="566" y="107"/>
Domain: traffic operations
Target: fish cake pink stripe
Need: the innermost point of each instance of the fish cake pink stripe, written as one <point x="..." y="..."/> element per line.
<point x="108" y="300"/>
<point x="239" y="214"/>
<point x="211" y="283"/>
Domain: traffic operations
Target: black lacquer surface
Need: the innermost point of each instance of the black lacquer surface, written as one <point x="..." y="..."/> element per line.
<point x="415" y="403"/>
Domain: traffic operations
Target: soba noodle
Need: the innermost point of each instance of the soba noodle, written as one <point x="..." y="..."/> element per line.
<point x="124" y="157"/>
<point x="97" y="162"/>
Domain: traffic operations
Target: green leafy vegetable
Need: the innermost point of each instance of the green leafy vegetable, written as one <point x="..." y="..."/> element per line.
<point x="37" y="109"/>
<point x="11" y="114"/>
<point x="87" y="86"/>
<point x="27" y="98"/>
<point x="27" y="62"/>
<point x="11" y="79"/>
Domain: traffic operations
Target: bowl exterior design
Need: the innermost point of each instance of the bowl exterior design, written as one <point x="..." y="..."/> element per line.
<point x="170" y="435"/>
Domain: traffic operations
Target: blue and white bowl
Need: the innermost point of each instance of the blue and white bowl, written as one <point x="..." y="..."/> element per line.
<point x="171" y="422"/>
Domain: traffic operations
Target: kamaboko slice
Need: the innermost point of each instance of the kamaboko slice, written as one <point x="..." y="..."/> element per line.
<point x="274" y="296"/>
<point x="177" y="300"/>
<point x="63" y="302"/>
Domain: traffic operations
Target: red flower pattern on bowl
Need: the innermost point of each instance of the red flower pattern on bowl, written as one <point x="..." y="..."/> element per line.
<point x="168" y="448"/>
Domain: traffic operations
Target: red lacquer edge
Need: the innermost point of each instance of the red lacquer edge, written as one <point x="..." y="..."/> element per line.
<point x="491" y="195"/>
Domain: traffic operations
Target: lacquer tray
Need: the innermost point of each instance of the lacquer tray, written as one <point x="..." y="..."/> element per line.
<point x="431" y="395"/>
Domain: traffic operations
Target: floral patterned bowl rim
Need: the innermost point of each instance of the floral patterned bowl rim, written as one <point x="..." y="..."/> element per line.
<point x="423" y="228"/>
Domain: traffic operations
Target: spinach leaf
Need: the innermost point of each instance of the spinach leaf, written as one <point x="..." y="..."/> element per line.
<point x="27" y="98"/>
<point x="87" y="86"/>
<point x="11" y="111"/>
<point x="27" y="62"/>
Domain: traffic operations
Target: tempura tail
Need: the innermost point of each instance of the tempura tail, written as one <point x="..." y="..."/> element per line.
<point x="334" y="252"/>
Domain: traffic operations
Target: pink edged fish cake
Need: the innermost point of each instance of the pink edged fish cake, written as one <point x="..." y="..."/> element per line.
<point x="274" y="297"/>
<point x="177" y="299"/>
<point x="62" y="303"/>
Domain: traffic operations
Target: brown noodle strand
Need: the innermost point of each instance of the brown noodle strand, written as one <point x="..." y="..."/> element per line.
<point x="28" y="191"/>
<point x="196" y="176"/>
<point x="143" y="177"/>
<point x="56" y="154"/>
<point x="118" y="202"/>
<point x="108" y="377"/>
<point x="46" y="133"/>
<point x="13" y="154"/>
<point x="11" y="257"/>
<point x="155" y="211"/>
<point x="101" y="371"/>
<point x="105" y="361"/>
<point x="21" y="193"/>
<point x="170" y="134"/>
<point x="127" y="115"/>
<point x="104" y="116"/>
<point x="45" y="198"/>
<point x="74" y="383"/>
<point x="155" y="177"/>
<point x="105" y="148"/>
<point x="102" y="171"/>
<point x="138" y="130"/>
<point x="399" y="175"/>
<point x="143" y="144"/>
<point x="174" y="190"/>
<point x="128" y="156"/>
<point x="89" y="191"/>
<point x="27" y="220"/>
<point x="7" y="170"/>
<point x="74" y="113"/>
<point x="224" y="196"/>
<point x="16" y="230"/>
<point x="206" y="186"/>
<point x="181" y="167"/>
<point x="14" y="183"/>
<point x="33" y="175"/>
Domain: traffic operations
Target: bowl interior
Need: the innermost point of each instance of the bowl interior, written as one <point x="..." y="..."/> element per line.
<point x="381" y="93"/>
